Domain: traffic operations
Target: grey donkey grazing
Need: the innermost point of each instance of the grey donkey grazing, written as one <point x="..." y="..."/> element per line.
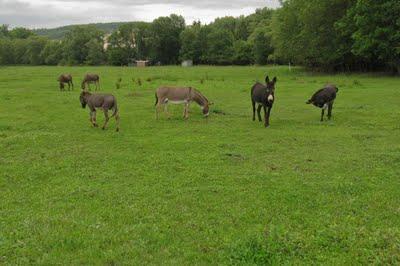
<point x="65" y="78"/>
<point x="103" y="101"/>
<point x="324" y="99"/>
<point x="264" y="96"/>
<point x="181" y="95"/>
<point x="91" y="78"/>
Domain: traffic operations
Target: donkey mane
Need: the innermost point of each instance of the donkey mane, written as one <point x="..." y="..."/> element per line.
<point x="200" y="99"/>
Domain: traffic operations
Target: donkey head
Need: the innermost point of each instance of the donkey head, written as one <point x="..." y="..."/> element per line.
<point x="206" y="108"/>
<point x="270" y="88"/>
<point x="82" y="98"/>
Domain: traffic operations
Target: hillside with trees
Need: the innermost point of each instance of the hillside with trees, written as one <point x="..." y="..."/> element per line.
<point x="60" y="32"/>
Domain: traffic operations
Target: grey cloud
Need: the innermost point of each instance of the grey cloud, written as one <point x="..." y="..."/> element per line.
<point x="52" y="13"/>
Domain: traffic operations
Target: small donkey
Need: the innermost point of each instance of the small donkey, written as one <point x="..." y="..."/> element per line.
<point x="324" y="99"/>
<point x="264" y="96"/>
<point x="65" y="78"/>
<point x="91" y="78"/>
<point x="103" y="101"/>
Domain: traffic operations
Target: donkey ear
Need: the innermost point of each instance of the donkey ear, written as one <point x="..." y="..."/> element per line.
<point x="274" y="80"/>
<point x="267" y="79"/>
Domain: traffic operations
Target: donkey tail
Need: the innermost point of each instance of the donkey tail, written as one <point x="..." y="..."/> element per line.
<point x="115" y="109"/>
<point x="156" y="99"/>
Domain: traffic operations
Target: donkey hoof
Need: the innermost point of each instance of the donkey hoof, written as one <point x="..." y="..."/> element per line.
<point x="103" y="128"/>
<point x="117" y="130"/>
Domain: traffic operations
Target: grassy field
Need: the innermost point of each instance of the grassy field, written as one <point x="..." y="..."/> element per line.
<point x="219" y="191"/>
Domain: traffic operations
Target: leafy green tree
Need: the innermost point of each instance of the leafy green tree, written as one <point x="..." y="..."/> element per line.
<point x="242" y="53"/>
<point x="4" y="32"/>
<point x="6" y="51"/>
<point x="52" y="53"/>
<point x="75" y="43"/>
<point x="304" y="32"/>
<point x="95" y="52"/>
<point x="191" y="44"/>
<point x="376" y="31"/>
<point x="34" y="50"/>
<point x="20" y="48"/>
<point x="21" y="33"/>
<point x="261" y="45"/>
<point x="165" y="38"/>
<point x="220" y="46"/>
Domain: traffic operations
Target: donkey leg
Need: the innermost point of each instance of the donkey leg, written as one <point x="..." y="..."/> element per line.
<point x="266" y="116"/>
<point x="330" y="106"/>
<point x="185" y="111"/>
<point x="117" y="121"/>
<point x="254" y="110"/>
<point x="259" y="112"/>
<point x="107" y="119"/>
<point x="166" y="110"/>
<point x="322" y="114"/>
<point x="94" y="118"/>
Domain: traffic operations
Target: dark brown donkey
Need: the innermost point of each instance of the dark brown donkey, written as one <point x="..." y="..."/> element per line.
<point x="65" y="78"/>
<point x="91" y="78"/>
<point x="103" y="101"/>
<point x="264" y="96"/>
<point x="324" y="99"/>
<point x="185" y="95"/>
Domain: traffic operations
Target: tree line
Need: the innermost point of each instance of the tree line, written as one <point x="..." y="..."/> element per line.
<point x="336" y="35"/>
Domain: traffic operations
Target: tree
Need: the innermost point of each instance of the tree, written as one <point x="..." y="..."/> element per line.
<point x="261" y="45"/>
<point x="165" y="38"/>
<point x="376" y="33"/>
<point x="219" y="46"/>
<point x="34" y="50"/>
<point x="6" y="51"/>
<point x="95" y="52"/>
<point x="191" y="47"/>
<point x="242" y="53"/>
<point x="52" y="53"/>
<point x="75" y="43"/>
<point x="4" y="32"/>
<point x="304" y="32"/>
<point x="20" y="33"/>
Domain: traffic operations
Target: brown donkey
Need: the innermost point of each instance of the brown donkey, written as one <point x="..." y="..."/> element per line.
<point x="102" y="101"/>
<point x="65" y="78"/>
<point x="185" y="95"/>
<point x="91" y="78"/>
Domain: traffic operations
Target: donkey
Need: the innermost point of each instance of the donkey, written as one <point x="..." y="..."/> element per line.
<point x="264" y="96"/>
<point x="181" y="95"/>
<point x="324" y="99"/>
<point x="91" y="78"/>
<point x="65" y="78"/>
<point x="103" y="101"/>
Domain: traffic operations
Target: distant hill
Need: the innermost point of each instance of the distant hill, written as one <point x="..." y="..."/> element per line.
<point x="59" y="33"/>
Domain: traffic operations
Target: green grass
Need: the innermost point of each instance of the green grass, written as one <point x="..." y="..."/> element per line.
<point x="218" y="191"/>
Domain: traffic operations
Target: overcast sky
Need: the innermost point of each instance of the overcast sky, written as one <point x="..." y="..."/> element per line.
<point x="54" y="13"/>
